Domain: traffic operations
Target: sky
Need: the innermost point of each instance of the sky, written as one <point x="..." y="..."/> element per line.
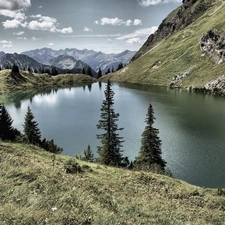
<point x="110" y="26"/>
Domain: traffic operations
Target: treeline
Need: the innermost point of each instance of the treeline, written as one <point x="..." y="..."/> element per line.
<point x="31" y="133"/>
<point x="110" y="151"/>
<point x="120" y="66"/>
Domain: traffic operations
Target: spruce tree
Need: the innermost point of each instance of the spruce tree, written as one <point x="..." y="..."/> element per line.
<point x="89" y="71"/>
<point x="6" y="129"/>
<point x="99" y="73"/>
<point x="109" y="152"/>
<point x="88" y="155"/>
<point x="31" y="130"/>
<point x="149" y="157"/>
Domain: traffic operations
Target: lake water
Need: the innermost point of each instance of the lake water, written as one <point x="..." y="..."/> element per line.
<point x="191" y="126"/>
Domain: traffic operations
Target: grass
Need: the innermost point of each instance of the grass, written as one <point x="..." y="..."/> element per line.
<point x="33" y="191"/>
<point x="33" y="80"/>
<point x="179" y="53"/>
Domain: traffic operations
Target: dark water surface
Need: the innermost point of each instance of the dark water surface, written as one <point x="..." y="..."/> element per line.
<point x="191" y="126"/>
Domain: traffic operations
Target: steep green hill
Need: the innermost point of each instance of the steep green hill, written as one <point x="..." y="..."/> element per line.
<point x="35" y="189"/>
<point x="178" y="59"/>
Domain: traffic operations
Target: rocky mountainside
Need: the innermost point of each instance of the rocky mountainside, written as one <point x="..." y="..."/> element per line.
<point x="2" y="54"/>
<point x="177" y="20"/>
<point x="187" y="51"/>
<point x="95" y="59"/>
<point x="24" y="62"/>
<point x="69" y="63"/>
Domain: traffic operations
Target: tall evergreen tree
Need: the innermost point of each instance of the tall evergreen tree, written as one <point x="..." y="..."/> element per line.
<point x="89" y="71"/>
<point x="99" y="73"/>
<point x="108" y="71"/>
<point x="150" y="152"/>
<point x="31" y="129"/>
<point x="110" y="152"/>
<point x="15" y="69"/>
<point x="120" y="66"/>
<point x="6" y="129"/>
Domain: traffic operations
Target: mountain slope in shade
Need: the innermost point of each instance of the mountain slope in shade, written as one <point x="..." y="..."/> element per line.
<point x="2" y="54"/>
<point x="94" y="59"/>
<point x="24" y="62"/>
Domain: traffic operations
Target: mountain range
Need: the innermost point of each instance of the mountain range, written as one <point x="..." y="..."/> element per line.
<point x="94" y="59"/>
<point x="61" y="64"/>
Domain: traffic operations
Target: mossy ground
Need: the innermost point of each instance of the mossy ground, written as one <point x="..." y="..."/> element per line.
<point x="33" y="191"/>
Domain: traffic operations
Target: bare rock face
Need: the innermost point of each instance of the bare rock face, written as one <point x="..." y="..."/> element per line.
<point x="213" y="43"/>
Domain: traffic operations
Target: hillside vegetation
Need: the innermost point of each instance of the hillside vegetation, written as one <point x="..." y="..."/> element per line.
<point x="179" y="53"/>
<point x="25" y="79"/>
<point x="35" y="189"/>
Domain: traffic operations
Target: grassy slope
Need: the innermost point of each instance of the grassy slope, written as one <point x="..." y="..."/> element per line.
<point x="7" y="83"/>
<point x="30" y="187"/>
<point x="177" y="54"/>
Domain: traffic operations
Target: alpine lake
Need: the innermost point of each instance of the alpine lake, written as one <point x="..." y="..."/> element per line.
<point x="191" y="125"/>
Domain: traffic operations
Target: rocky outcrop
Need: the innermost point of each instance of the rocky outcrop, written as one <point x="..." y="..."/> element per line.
<point x="175" y="21"/>
<point x="178" y="80"/>
<point x="213" y="44"/>
<point x="216" y="87"/>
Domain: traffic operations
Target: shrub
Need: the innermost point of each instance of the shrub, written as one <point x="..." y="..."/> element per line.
<point x="71" y="166"/>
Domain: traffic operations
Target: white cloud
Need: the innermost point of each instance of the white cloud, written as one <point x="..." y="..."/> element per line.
<point x="36" y="39"/>
<point x="14" y="4"/>
<point x="44" y="25"/>
<point x="93" y="35"/>
<point x="19" y="33"/>
<point x="146" y="3"/>
<point x="6" y="44"/>
<point x="11" y="24"/>
<point x="137" y="22"/>
<point x="129" y="23"/>
<point x="134" y="41"/>
<point x="138" y="33"/>
<point x="51" y="44"/>
<point x="68" y="30"/>
<point x="16" y="14"/>
<point x="22" y="38"/>
<point x="40" y="7"/>
<point x="47" y="23"/>
<point x="86" y="29"/>
<point x="117" y="22"/>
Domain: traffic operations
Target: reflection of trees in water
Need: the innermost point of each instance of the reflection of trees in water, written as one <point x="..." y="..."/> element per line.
<point x="17" y="97"/>
<point x="100" y="85"/>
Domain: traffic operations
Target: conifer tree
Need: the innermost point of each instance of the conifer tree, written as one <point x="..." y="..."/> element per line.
<point x="88" y="155"/>
<point x="15" y="69"/>
<point x="149" y="156"/>
<point x="89" y="71"/>
<point x="109" y="152"/>
<point x="31" y="130"/>
<point x="99" y="73"/>
<point x="6" y="129"/>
